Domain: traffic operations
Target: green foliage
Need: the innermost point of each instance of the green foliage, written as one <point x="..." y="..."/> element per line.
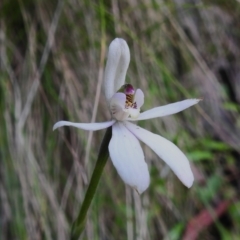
<point x="200" y="156"/>
<point x="176" y="232"/>
<point x="209" y="192"/>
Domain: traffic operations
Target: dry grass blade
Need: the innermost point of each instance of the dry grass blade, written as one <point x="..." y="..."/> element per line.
<point x="36" y="81"/>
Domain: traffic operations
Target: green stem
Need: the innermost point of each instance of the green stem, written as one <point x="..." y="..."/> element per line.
<point x="79" y="223"/>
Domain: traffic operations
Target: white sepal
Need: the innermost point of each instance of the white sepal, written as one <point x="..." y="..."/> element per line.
<point x="167" y="151"/>
<point x="85" y="126"/>
<point x="128" y="158"/>
<point x="167" y="109"/>
<point x="116" y="67"/>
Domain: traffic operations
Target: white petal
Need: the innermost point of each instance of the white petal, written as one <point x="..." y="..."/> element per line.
<point x="117" y="106"/>
<point x="167" y="151"/>
<point x="133" y="113"/>
<point x="116" y="68"/>
<point x="139" y="98"/>
<point x="167" y="109"/>
<point x="85" y="126"/>
<point x="127" y="157"/>
<point x="118" y="100"/>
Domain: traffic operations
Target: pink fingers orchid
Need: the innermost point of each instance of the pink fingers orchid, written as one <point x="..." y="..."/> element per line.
<point x="124" y="104"/>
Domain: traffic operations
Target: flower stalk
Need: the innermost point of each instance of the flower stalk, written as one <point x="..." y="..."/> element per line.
<point x="79" y="224"/>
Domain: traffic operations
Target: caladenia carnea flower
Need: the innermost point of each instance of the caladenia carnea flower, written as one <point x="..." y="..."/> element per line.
<point x="125" y="103"/>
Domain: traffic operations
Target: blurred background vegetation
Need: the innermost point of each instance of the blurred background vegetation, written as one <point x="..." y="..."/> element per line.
<point x="52" y="57"/>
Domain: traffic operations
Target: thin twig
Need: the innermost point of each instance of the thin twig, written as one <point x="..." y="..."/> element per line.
<point x="96" y="102"/>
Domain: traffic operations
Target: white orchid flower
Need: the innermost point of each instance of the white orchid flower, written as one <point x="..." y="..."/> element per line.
<point x="125" y="103"/>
